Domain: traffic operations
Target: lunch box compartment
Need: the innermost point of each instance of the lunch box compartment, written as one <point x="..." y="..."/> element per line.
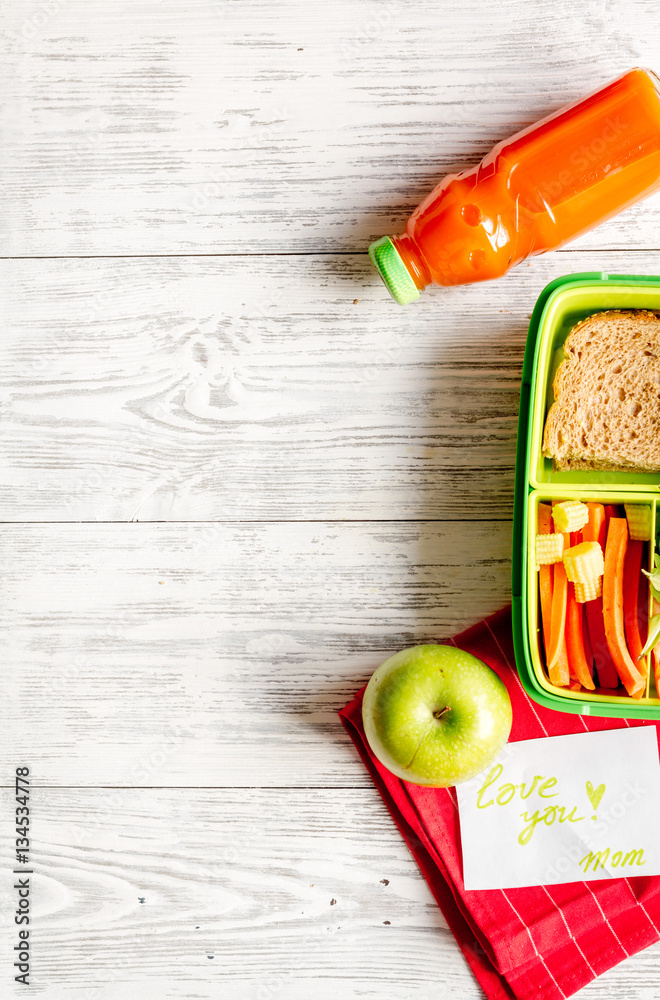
<point x="533" y="618"/>
<point x="569" y="306"/>
<point x="560" y="306"/>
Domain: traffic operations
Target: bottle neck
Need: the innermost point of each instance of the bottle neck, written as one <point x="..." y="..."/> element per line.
<point x="412" y="258"/>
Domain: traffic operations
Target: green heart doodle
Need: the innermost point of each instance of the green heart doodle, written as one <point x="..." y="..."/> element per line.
<point x="595" y="794"/>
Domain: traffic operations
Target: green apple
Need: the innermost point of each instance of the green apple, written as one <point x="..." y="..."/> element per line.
<point x="436" y="715"/>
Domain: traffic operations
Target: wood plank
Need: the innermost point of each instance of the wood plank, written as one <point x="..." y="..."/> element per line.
<point x="211" y="654"/>
<point x="254" y="388"/>
<point x="216" y="654"/>
<point x="254" y="893"/>
<point x="182" y="893"/>
<point x="153" y="126"/>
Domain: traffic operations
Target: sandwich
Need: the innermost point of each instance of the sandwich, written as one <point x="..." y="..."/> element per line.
<point x="606" y="413"/>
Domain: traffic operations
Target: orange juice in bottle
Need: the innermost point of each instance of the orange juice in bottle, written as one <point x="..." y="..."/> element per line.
<point x="532" y="192"/>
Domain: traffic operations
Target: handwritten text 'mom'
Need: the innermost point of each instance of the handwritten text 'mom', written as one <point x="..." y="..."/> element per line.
<point x="618" y="860"/>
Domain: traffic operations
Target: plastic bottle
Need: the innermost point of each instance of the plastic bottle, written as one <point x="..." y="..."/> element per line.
<point x="533" y="192"/>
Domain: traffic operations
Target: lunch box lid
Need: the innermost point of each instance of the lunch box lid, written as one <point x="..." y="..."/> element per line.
<point x="592" y="281"/>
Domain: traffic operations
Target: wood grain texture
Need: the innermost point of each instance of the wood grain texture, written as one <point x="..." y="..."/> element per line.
<point x="211" y="654"/>
<point x="153" y="126"/>
<point x="243" y="893"/>
<point x="254" y="388"/>
<point x="182" y="665"/>
<point x="258" y="893"/>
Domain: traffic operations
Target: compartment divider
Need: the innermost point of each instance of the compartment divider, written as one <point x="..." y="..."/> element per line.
<point x="548" y="495"/>
<point x="649" y="603"/>
<point x="561" y="305"/>
<point x="649" y="566"/>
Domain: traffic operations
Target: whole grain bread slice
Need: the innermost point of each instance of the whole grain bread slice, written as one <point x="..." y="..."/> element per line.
<point x="606" y="413"/>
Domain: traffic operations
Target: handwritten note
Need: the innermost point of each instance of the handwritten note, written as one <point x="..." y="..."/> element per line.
<point x="564" y="809"/>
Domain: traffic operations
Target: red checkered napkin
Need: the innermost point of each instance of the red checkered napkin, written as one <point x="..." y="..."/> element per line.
<point x="536" y="943"/>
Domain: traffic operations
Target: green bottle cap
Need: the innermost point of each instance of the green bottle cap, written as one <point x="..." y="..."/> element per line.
<point x="393" y="271"/>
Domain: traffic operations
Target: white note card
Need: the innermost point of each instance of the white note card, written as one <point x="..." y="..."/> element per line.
<point x="564" y="809"/>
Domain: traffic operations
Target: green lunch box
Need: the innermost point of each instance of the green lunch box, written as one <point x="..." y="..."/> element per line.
<point x="562" y="304"/>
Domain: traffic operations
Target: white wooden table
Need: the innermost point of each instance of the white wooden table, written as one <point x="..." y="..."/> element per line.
<point x="236" y="476"/>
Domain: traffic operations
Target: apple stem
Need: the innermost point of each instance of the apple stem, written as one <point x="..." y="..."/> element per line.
<point x="441" y="712"/>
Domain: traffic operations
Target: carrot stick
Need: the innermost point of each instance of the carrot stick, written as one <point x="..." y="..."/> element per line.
<point x="560" y="674"/>
<point x="546" y="524"/>
<point x="558" y="669"/>
<point x="607" y="675"/>
<point x="594" y="629"/>
<point x="655" y="654"/>
<point x="545" y="591"/>
<point x="586" y="639"/>
<point x="577" y="660"/>
<point x="596" y="528"/>
<point x="545" y="527"/>
<point x="556" y="653"/>
<point x="632" y="572"/>
<point x="615" y="555"/>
